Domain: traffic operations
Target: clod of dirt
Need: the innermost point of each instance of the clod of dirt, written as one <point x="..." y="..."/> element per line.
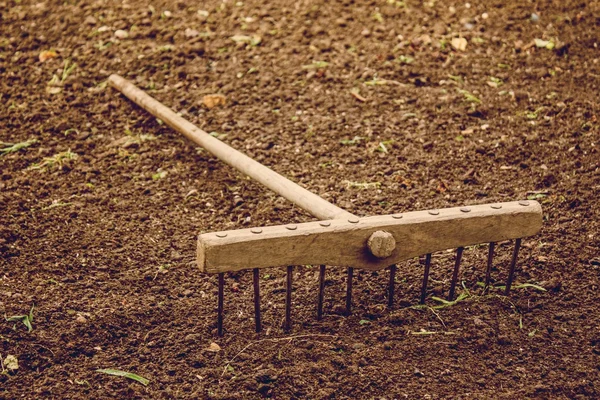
<point x="214" y="100"/>
<point x="191" y="33"/>
<point x="265" y="376"/>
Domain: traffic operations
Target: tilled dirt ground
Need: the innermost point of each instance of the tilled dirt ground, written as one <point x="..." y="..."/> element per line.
<point x="379" y="107"/>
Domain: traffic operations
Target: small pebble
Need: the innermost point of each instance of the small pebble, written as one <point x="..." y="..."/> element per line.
<point x="191" y="33"/>
<point x="81" y="320"/>
<point x="121" y="34"/>
<point x="90" y="20"/>
<point x="535" y="17"/>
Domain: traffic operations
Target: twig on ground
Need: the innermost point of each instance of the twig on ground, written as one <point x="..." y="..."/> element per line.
<point x="289" y="339"/>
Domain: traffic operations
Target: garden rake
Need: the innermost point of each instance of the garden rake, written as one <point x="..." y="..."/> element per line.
<point x="340" y="238"/>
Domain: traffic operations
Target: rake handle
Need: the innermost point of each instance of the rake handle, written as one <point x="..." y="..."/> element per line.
<point x="303" y="198"/>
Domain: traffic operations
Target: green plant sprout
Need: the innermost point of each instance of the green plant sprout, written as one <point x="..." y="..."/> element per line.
<point x="27" y="319"/>
<point x="14" y="147"/>
<point x="57" y="160"/>
<point x="128" y="375"/>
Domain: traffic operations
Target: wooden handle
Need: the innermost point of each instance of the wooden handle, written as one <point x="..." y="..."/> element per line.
<point x="344" y="243"/>
<point x="304" y="199"/>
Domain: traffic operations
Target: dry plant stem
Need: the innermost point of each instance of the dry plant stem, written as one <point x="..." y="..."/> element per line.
<point x="304" y="199"/>
<point x="321" y="292"/>
<point x="289" y="339"/>
<point x="425" y="278"/>
<point x="513" y="264"/>
<point x="459" y="252"/>
<point x="488" y="270"/>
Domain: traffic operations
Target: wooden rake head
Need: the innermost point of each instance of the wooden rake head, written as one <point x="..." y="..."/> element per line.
<point x="339" y="238"/>
<point x="370" y="243"/>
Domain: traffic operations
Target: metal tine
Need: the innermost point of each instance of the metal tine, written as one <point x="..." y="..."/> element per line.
<point x="288" y="300"/>
<point x="425" y="278"/>
<point x="220" y="305"/>
<point x="257" y="300"/>
<point x="349" y="291"/>
<point x="513" y="264"/>
<point x="392" y="285"/>
<point x="321" y="292"/>
<point x="488" y="271"/>
<point x="459" y="252"/>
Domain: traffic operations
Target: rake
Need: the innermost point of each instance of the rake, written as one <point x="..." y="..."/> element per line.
<point x="340" y="238"/>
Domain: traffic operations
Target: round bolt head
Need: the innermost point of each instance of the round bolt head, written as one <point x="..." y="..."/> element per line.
<point x="381" y="244"/>
<point x="524" y="203"/>
<point x="291" y="227"/>
<point x="221" y="234"/>
<point x="465" y="209"/>
<point x="353" y="220"/>
<point x="325" y="223"/>
<point x="434" y="212"/>
<point x="397" y="216"/>
<point x="496" y="206"/>
<point x="256" y="230"/>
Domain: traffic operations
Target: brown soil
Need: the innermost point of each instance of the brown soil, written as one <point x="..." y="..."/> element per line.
<point x="104" y="244"/>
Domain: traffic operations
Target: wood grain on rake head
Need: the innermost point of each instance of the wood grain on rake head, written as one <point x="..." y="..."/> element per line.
<point x="343" y="242"/>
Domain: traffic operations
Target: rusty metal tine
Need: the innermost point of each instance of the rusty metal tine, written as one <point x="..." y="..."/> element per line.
<point x="321" y="292"/>
<point x="425" y="278"/>
<point x="257" y="300"/>
<point x="220" y="305"/>
<point x="513" y="264"/>
<point x="459" y="252"/>
<point x="288" y="300"/>
<point x="349" y="291"/>
<point x="393" y="268"/>
<point x="488" y="270"/>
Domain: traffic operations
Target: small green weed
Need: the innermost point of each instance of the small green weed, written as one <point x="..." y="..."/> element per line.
<point x="125" y="374"/>
<point x="469" y="96"/>
<point x="14" y="147"/>
<point x="351" y="142"/>
<point x="27" y="319"/>
<point x="56" y="161"/>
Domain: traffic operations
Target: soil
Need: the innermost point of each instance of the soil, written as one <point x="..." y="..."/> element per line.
<point x="373" y="106"/>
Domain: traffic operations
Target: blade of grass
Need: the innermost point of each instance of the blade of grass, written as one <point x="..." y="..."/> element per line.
<point x="125" y="374"/>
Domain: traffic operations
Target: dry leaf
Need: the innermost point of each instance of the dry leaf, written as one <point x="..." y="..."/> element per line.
<point x="53" y="89"/>
<point x="47" y="55"/>
<point x="11" y="363"/>
<point x="459" y="44"/>
<point x="213" y="347"/>
<point x="214" y="100"/>
<point x="547" y="44"/>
